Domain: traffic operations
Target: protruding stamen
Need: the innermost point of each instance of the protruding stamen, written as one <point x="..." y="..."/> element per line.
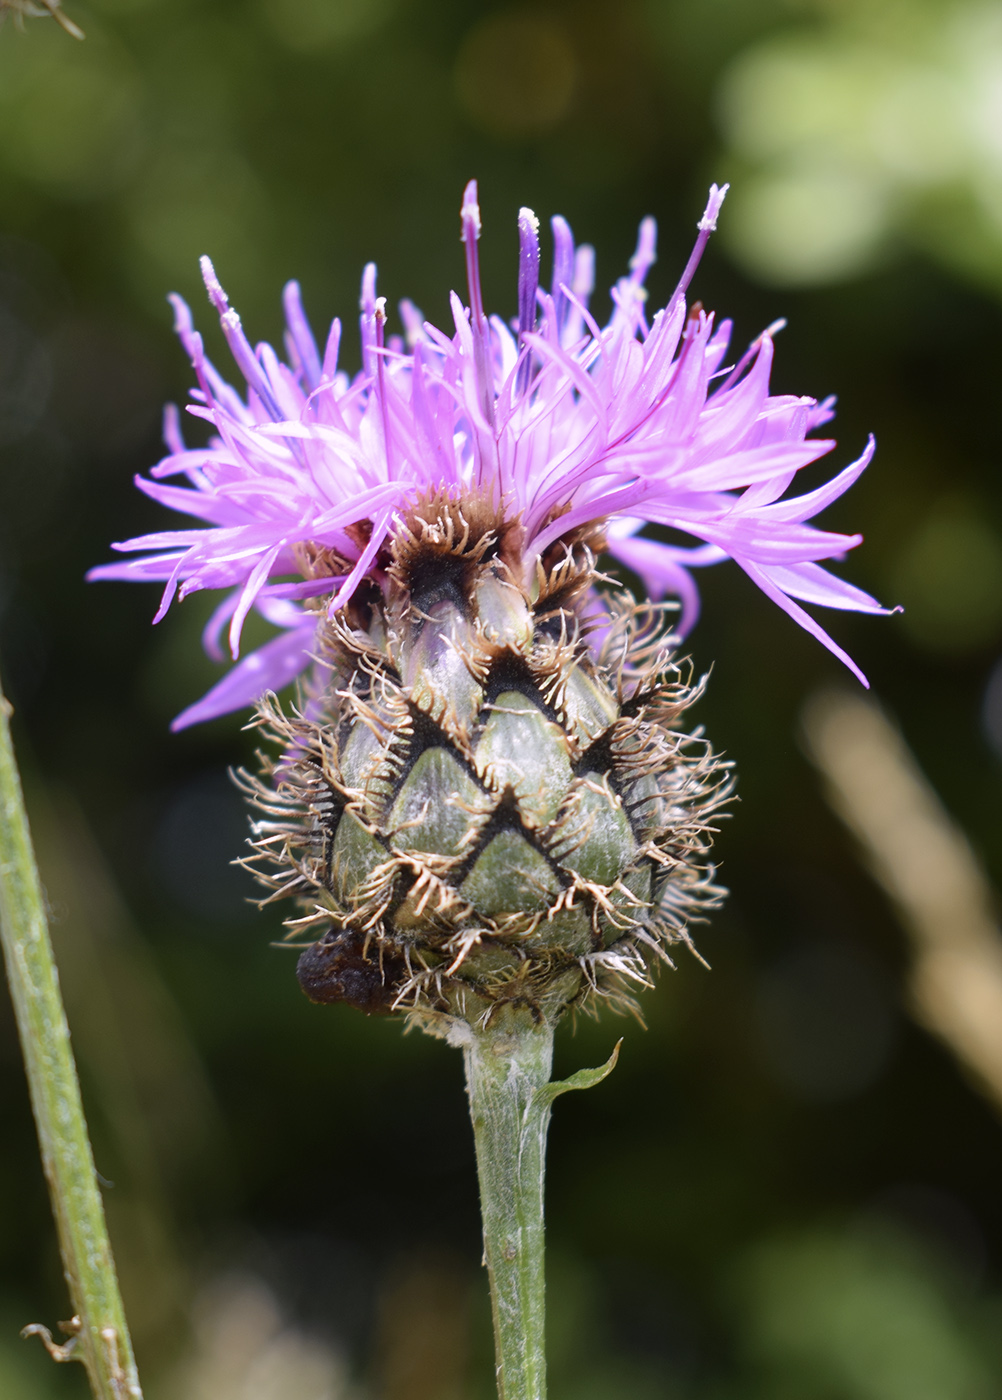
<point x="630" y="294"/>
<point x="413" y="324"/>
<point x="706" y="226"/>
<point x="563" y="267"/>
<point x="470" y="221"/>
<point x="172" y="436"/>
<point x="470" y="218"/>
<point x="718" y="193"/>
<point x="240" y="348"/>
<point x="528" y="286"/>
<point x="300" y="337"/>
<point x="367" y="320"/>
<point x="584" y="273"/>
<point x="646" y="254"/>
<point x="379" y="314"/>
<point x="331" y="350"/>
<point x="768" y="334"/>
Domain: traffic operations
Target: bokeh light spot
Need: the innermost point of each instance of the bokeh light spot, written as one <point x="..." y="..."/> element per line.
<point x="516" y="73"/>
<point x="910" y="111"/>
<point x="917" y="127"/>
<point x="780" y="97"/>
<point x="806" y="227"/>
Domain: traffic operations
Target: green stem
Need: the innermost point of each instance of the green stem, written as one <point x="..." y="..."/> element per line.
<point x="507" y="1067"/>
<point x="102" y="1342"/>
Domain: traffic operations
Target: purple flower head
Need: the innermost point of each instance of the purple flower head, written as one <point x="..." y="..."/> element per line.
<point x="557" y="420"/>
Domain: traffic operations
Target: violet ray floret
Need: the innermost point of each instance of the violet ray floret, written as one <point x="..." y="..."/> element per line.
<point x="561" y="422"/>
<point x="528" y="289"/>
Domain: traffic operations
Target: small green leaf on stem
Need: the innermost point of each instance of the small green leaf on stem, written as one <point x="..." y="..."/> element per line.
<point x="582" y="1079"/>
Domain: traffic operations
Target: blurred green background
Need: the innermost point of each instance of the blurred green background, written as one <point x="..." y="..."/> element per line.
<point x="787" y="1190"/>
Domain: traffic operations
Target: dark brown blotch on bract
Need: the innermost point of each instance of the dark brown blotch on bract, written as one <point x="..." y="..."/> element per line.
<point x="337" y="968"/>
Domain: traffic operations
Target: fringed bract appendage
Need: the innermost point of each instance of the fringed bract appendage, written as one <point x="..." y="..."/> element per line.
<point x="489" y="799"/>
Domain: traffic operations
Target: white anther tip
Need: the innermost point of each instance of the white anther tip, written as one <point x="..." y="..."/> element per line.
<point x="708" y="222"/>
<point x="470" y="212"/>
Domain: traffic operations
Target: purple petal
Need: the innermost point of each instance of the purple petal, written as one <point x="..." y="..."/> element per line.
<point x="239" y="345"/>
<point x="661" y="574"/>
<point x="813" y="584"/>
<point x="256" y="580"/>
<point x="153" y="569"/>
<point x="212" y="507"/>
<point x="271" y="667"/>
<point x="804" y="507"/>
<point x="589" y="424"/>
<point x="301" y="336"/>
<point x="767" y="586"/>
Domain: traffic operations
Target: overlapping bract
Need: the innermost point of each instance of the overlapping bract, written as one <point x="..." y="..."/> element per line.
<point x="557" y="420"/>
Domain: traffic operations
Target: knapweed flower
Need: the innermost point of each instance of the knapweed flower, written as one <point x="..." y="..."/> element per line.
<point x="485" y="796"/>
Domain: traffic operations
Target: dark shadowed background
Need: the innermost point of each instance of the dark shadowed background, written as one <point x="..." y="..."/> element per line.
<point x="787" y="1190"/>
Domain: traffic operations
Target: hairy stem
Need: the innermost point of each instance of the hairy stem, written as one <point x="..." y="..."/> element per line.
<point x="102" y="1342"/>
<point x="507" y="1067"/>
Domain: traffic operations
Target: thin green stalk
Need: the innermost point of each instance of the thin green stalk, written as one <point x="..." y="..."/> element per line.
<point x="507" y="1065"/>
<point x="102" y="1341"/>
<point x="511" y="1098"/>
